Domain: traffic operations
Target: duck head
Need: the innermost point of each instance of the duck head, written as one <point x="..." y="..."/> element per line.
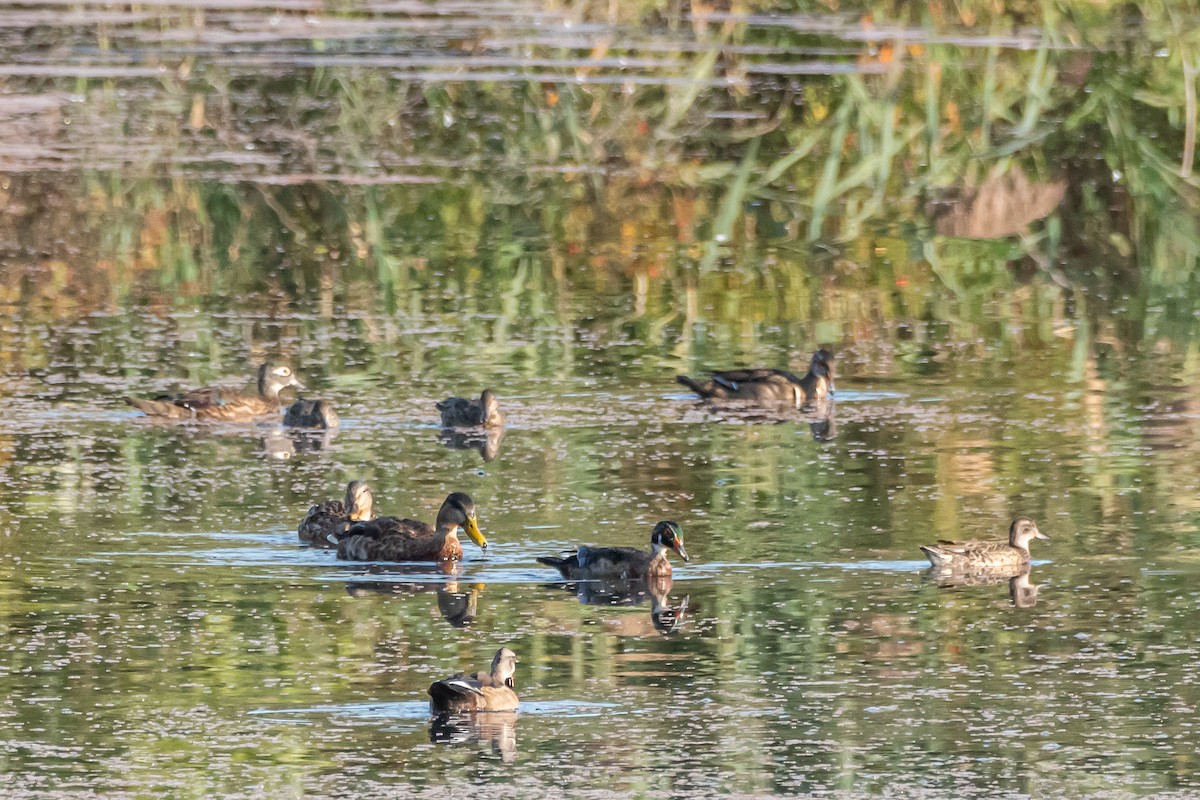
<point x="458" y="511"/>
<point x="360" y="503"/>
<point x="272" y="379"/>
<point x="490" y="405"/>
<point x="821" y="368"/>
<point x="1023" y="531"/>
<point x="668" y="534"/>
<point x="504" y="666"/>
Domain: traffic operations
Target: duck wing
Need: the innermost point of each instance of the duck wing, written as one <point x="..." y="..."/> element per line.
<point x="733" y="378"/>
<point x="322" y="521"/>
<point x="460" y="412"/>
<point x="391" y="527"/>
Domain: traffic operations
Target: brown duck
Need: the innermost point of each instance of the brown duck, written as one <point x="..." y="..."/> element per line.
<point x="768" y="386"/>
<point x="311" y="414"/>
<point x="1008" y="557"/>
<point x="623" y="563"/>
<point x="483" y="691"/>
<point x="333" y="517"/>
<point x="395" y="539"/>
<point x="222" y="404"/>
<point x="460" y="412"/>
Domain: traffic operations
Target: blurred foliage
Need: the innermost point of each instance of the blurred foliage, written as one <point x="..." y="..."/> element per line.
<point x="744" y="133"/>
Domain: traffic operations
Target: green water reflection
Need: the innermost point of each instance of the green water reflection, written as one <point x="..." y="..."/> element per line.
<point x="989" y="217"/>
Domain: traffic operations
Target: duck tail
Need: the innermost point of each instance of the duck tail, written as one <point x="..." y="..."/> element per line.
<point x="158" y="408"/>
<point x="693" y="385"/>
<point x="936" y="557"/>
<point x="552" y="561"/>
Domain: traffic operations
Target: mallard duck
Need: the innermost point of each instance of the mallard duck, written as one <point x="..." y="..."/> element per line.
<point x="1011" y="556"/>
<point x="395" y="539"/>
<point x="311" y="414"/>
<point x="483" y="691"/>
<point x="623" y="563"/>
<point x="460" y="412"/>
<point x="768" y="386"/>
<point x="223" y="404"/>
<point x="333" y="517"/>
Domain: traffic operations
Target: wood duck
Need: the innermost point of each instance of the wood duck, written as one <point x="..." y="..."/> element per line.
<point x="395" y="539"/>
<point x="333" y="517"/>
<point x="623" y="563"/>
<point x="1010" y="557"/>
<point x="459" y="412"/>
<point x="311" y="414"/>
<point x="483" y="691"/>
<point x="768" y="386"/>
<point x="223" y="404"/>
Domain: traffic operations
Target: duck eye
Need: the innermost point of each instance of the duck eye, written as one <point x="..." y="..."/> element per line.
<point x="285" y="371"/>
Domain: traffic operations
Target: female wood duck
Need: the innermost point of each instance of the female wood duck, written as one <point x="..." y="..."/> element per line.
<point x="333" y="517"/>
<point x="1010" y="557"/>
<point x="222" y="404"/>
<point x="483" y="691"/>
<point x="311" y="414"/>
<point x="459" y="412"/>
<point x="395" y="539"/>
<point x="768" y="386"/>
<point x="623" y="563"/>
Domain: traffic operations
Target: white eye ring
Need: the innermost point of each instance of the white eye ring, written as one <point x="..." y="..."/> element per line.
<point x="284" y="371"/>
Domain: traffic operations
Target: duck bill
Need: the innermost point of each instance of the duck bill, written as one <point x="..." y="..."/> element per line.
<point x="297" y="385"/>
<point x="1040" y="535"/>
<point x="682" y="553"/>
<point x="476" y="535"/>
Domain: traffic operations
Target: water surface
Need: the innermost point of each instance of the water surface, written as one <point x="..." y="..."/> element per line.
<point x="990" y="220"/>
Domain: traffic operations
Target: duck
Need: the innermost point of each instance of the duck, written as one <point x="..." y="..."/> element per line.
<point x="218" y="404"/>
<point x="482" y="691"/>
<point x="395" y="539"/>
<point x="311" y="414"/>
<point x="333" y="517"/>
<point x="768" y="386"/>
<point x="994" y="557"/>
<point x="623" y="563"/>
<point x="460" y="412"/>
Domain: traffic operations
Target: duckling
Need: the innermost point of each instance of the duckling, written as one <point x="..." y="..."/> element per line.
<point x="311" y="414"/>
<point x="221" y="404"/>
<point x="623" y="563"/>
<point x="333" y="517"/>
<point x="768" y="386"/>
<point x="1011" y="556"/>
<point x="459" y="412"/>
<point x="483" y="691"/>
<point x="395" y="539"/>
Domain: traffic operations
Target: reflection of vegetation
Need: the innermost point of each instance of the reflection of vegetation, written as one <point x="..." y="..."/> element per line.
<point x="568" y="252"/>
<point x="765" y="154"/>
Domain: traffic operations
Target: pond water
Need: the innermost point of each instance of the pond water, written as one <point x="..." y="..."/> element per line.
<point x="573" y="204"/>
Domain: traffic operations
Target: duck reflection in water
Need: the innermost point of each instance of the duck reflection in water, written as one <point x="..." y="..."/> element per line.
<point x="282" y="444"/>
<point x="664" y="618"/>
<point x="1022" y="591"/>
<point x="458" y="603"/>
<point x="499" y="728"/>
<point x="485" y="441"/>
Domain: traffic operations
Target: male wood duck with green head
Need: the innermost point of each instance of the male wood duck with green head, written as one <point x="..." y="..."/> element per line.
<point x="333" y="517"/>
<point x="311" y="414"/>
<point x="482" y="691"/>
<point x="219" y="404"/>
<point x="395" y="539"/>
<point x="1008" y="557"/>
<point x="623" y="563"/>
<point x="768" y="386"/>
<point x="460" y="412"/>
